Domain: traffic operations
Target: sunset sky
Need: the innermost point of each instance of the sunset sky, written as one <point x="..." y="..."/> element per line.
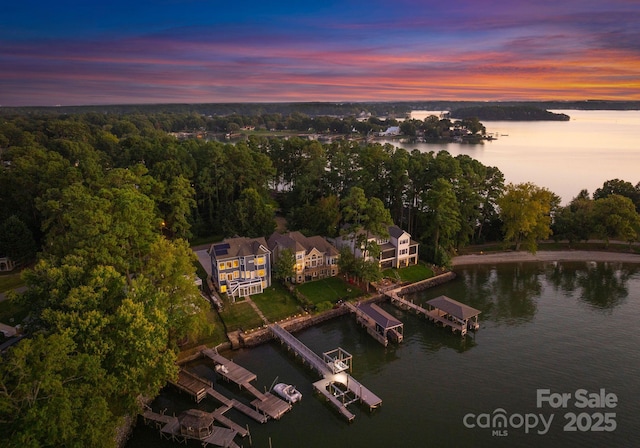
<point x="69" y="52"/>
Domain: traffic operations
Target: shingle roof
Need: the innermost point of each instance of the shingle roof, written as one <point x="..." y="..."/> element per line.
<point x="239" y="247"/>
<point x="453" y="307"/>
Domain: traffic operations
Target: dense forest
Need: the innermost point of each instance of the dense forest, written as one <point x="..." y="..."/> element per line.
<point x="100" y="207"/>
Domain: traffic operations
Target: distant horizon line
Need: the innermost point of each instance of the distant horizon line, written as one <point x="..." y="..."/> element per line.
<point x="572" y="101"/>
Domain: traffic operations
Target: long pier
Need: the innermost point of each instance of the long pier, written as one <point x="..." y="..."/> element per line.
<point x="333" y="372"/>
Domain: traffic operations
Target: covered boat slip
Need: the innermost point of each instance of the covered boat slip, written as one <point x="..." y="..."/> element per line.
<point x="449" y="312"/>
<point x="379" y="324"/>
<point x="443" y="310"/>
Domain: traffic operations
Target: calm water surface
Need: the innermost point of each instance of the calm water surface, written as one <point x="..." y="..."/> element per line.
<point x="562" y="327"/>
<point x="563" y="156"/>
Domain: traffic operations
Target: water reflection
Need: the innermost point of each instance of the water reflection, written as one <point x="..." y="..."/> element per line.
<point x="508" y="298"/>
<point x="603" y="286"/>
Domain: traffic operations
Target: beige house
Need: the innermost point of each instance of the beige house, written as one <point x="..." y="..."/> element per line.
<point x="315" y="257"/>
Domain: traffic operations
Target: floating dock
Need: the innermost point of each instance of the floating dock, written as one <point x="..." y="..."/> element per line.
<point x="442" y="310"/>
<point x="340" y="388"/>
<point x="266" y="403"/>
<point x="381" y="325"/>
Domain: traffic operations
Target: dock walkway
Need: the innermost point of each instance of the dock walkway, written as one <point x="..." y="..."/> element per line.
<point x="169" y="427"/>
<point x="266" y="403"/>
<point x="444" y="310"/>
<point x="353" y="387"/>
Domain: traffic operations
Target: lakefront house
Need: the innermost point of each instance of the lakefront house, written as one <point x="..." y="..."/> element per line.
<point x="315" y="257"/>
<point x="241" y="266"/>
<point x="397" y="250"/>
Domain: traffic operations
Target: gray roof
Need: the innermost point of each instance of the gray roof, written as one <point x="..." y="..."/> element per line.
<point x="380" y="316"/>
<point x="453" y="307"/>
<point x="396" y="231"/>
<point x="238" y="247"/>
<point x="297" y="242"/>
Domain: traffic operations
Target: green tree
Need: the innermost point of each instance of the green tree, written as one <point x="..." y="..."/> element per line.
<point x="51" y="395"/>
<point x="616" y="217"/>
<point x="252" y="215"/>
<point x="620" y="187"/>
<point x="284" y="265"/>
<point x="443" y="219"/>
<point x="16" y="240"/>
<point x="526" y="210"/>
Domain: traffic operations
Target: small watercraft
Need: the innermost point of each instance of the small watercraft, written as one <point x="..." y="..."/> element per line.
<point x="288" y="392"/>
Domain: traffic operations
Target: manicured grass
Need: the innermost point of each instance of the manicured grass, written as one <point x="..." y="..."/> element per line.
<point x="412" y="274"/>
<point x="276" y="303"/>
<point x="10" y="281"/>
<point x="329" y="289"/>
<point x="240" y="315"/>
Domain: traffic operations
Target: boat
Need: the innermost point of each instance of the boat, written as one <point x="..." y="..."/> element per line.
<point x="288" y="392"/>
<point x="220" y="368"/>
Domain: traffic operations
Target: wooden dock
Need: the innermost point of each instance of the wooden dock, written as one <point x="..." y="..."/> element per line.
<point x="443" y="310"/>
<point x="192" y="385"/>
<point x="169" y="427"/>
<point x="330" y="376"/>
<point x="266" y="403"/>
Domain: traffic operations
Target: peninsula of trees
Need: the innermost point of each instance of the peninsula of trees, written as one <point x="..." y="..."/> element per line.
<point x="508" y="113"/>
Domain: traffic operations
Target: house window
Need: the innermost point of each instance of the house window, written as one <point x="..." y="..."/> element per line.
<point x="221" y="265"/>
<point x="228" y="265"/>
<point x="235" y="263"/>
<point x="260" y="260"/>
<point x="222" y="277"/>
<point x="299" y="256"/>
<point x="229" y="277"/>
<point x="261" y="273"/>
<point x="404" y="251"/>
<point x="236" y="274"/>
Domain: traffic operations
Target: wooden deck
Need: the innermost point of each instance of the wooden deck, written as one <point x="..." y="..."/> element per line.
<point x="169" y="427"/>
<point x="265" y="403"/>
<point x="192" y="385"/>
<point x="361" y="393"/>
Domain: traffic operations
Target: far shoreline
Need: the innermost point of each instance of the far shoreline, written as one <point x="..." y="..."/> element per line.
<point x="544" y="256"/>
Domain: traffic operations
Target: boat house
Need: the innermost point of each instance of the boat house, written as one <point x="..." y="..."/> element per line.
<point x="451" y="313"/>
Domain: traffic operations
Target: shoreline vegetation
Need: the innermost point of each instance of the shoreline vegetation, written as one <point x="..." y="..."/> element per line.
<point x="390" y="108"/>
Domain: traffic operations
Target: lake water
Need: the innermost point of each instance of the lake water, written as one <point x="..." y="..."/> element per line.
<point x="557" y="326"/>
<point x="563" y="156"/>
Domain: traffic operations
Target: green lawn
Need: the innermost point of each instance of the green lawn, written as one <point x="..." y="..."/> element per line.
<point x="10" y="281"/>
<point x="276" y="303"/>
<point x="411" y="274"/>
<point x="240" y="315"/>
<point x="329" y="289"/>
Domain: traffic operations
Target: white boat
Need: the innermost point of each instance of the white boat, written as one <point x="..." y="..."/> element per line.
<point x="220" y="368"/>
<point x="288" y="392"/>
